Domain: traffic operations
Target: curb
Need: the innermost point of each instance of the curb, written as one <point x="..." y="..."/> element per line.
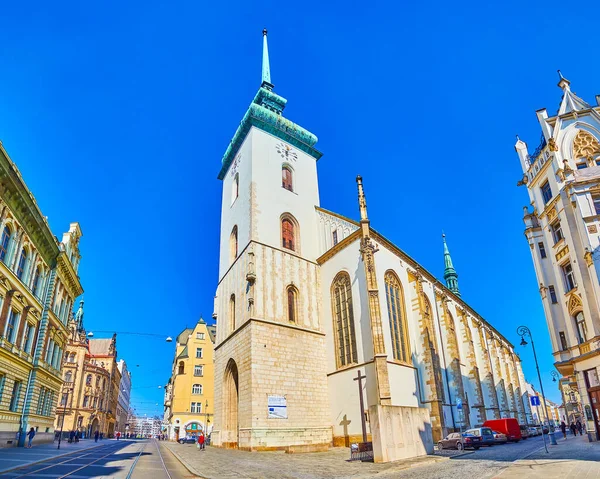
<point x="4" y="471"/>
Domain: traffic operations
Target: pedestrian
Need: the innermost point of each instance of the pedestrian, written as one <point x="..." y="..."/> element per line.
<point x="30" y="435"/>
<point x="573" y="428"/>
<point x="201" y="440"/>
<point x="71" y="436"/>
<point x="96" y="436"/>
<point x="579" y="427"/>
<point x="77" y="436"/>
<point x="563" y="428"/>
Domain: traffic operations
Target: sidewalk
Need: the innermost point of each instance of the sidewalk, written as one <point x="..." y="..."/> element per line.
<point x="217" y="463"/>
<point x="13" y="457"/>
<point x="573" y="457"/>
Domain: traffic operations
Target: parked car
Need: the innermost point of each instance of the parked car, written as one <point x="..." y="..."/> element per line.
<point x="187" y="440"/>
<point x="533" y="431"/>
<point x="459" y="441"/>
<point x="524" y="431"/>
<point x="508" y="426"/>
<point x="500" y="438"/>
<point x="485" y="433"/>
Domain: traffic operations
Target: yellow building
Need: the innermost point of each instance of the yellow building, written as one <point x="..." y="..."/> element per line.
<point x="38" y="284"/>
<point x="189" y="394"/>
<point x="91" y="383"/>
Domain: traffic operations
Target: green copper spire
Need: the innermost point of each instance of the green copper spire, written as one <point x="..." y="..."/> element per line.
<point x="266" y="68"/>
<point x="450" y="274"/>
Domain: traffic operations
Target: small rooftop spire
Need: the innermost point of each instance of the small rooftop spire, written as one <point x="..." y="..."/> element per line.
<point x="266" y="68"/>
<point x="563" y="82"/>
<point x="362" y="201"/>
<point x="450" y="274"/>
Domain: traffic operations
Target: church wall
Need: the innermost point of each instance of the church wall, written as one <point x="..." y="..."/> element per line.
<point x="270" y="200"/>
<point x="329" y="223"/>
<point x="238" y="212"/>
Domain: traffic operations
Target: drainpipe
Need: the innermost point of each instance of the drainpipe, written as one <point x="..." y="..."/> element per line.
<point x="437" y="312"/>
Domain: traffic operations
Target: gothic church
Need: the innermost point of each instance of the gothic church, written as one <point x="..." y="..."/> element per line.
<point x="307" y="299"/>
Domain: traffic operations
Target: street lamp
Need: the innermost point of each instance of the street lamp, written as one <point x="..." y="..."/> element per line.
<point x="525" y="331"/>
<point x="554" y="375"/>
<point x="62" y="424"/>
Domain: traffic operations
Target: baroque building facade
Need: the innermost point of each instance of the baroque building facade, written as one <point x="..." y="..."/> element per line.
<point x="308" y="299"/>
<point x="38" y="285"/>
<point x="562" y="177"/>
<point x="89" y="396"/>
<point x="189" y="393"/>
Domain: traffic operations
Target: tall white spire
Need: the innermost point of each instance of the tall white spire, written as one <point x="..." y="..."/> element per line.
<point x="266" y="68"/>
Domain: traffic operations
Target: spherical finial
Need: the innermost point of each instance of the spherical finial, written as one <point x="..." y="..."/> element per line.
<point x="265" y="32"/>
<point x="358" y="178"/>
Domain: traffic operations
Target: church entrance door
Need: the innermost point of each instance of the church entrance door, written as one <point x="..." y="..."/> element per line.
<point x="230" y="406"/>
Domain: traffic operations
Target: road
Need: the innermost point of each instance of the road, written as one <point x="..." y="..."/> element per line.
<point x="488" y="462"/>
<point x="117" y="459"/>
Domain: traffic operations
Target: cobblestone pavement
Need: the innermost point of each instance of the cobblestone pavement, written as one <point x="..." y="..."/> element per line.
<point x="214" y="463"/>
<point x="573" y="457"/>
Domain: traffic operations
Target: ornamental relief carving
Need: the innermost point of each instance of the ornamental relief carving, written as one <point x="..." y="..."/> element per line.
<point x="585" y="145"/>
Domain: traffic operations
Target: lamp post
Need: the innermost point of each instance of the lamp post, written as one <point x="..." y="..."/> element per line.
<point x="62" y="424"/>
<point x="206" y="418"/>
<point x="525" y="331"/>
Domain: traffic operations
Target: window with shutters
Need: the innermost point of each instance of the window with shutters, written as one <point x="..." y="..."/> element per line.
<point x="286" y="178"/>
<point x="289" y="232"/>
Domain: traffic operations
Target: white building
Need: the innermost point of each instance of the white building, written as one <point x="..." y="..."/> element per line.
<point x="563" y="181"/>
<point x="124" y="396"/>
<point x="308" y="299"/>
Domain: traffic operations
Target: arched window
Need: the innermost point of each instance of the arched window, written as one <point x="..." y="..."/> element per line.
<point x="397" y="317"/>
<point x="68" y="377"/>
<point x="233" y="244"/>
<point x="292" y="304"/>
<point x="197" y="389"/>
<point x="4" y="242"/>
<point x="288" y="232"/>
<point x="232" y="313"/>
<point x="235" y="187"/>
<point x="97" y="381"/>
<point x="88" y="380"/>
<point x="286" y="178"/>
<point x="581" y="327"/>
<point x="181" y="368"/>
<point x="21" y="266"/>
<point x="343" y="320"/>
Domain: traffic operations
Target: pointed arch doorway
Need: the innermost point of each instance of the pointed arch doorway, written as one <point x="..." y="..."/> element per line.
<point x="230" y="406"/>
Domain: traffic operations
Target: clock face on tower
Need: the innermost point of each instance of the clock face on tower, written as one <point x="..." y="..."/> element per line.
<point x="286" y="152"/>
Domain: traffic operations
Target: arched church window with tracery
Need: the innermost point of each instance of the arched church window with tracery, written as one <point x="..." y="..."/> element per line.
<point x="286" y="178"/>
<point x="343" y="320"/>
<point x="288" y="233"/>
<point x="397" y="316"/>
<point x="233" y="244"/>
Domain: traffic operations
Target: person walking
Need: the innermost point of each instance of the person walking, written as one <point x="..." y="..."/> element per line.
<point x="579" y="427"/>
<point x="563" y="428"/>
<point x="30" y="435"/>
<point x="573" y="428"/>
<point x="201" y="440"/>
<point x="77" y="436"/>
<point x="96" y="436"/>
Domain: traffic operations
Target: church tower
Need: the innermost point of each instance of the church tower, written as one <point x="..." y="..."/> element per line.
<point x="270" y="377"/>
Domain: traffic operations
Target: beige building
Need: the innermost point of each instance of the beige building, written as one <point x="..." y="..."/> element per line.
<point x="38" y="285"/>
<point x="124" y="397"/>
<point x="308" y="301"/>
<point x="189" y="393"/>
<point x="562" y="176"/>
<point x="91" y="383"/>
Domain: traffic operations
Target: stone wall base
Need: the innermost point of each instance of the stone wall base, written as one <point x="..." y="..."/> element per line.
<point x="400" y="432"/>
<point x="346" y="441"/>
<point x="9" y="438"/>
<point x="292" y="440"/>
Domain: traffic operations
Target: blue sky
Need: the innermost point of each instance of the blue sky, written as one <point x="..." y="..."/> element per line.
<point x="118" y="117"/>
